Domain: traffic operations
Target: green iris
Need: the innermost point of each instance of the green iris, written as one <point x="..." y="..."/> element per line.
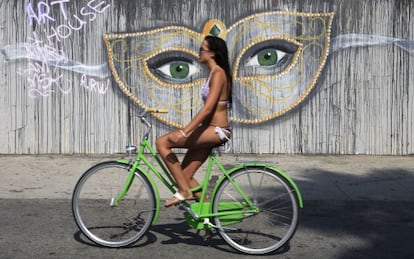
<point x="179" y="70"/>
<point x="267" y="57"/>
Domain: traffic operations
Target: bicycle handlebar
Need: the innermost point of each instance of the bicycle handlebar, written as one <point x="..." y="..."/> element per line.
<point x="153" y="110"/>
<point x="146" y="122"/>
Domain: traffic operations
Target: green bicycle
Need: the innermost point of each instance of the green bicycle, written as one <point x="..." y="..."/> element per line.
<point x="253" y="206"/>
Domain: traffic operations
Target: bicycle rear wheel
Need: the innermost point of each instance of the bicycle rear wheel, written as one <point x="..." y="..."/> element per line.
<point x="99" y="219"/>
<point x="269" y="223"/>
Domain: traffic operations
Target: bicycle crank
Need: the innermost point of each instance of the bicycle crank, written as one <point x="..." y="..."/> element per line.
<point x="214" y="227"/>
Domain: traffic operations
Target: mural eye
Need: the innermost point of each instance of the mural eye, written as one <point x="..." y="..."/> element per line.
<point x="178" y="70"/>
<point x="175" y="67"/>
<point x="267" y="57"/>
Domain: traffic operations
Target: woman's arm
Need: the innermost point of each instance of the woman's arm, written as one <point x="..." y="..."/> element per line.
<point x="217" y="82"/>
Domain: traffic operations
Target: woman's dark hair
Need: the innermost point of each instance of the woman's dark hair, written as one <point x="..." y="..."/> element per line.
<point x="219" y="47"/>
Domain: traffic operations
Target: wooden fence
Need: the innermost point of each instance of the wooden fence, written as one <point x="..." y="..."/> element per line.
<point x="58" y="95"/>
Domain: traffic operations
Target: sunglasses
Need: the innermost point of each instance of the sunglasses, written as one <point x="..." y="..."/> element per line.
<point x="200" y="50"/>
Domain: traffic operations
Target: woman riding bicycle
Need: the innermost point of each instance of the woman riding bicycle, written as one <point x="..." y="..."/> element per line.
<point x="210" y="126"/>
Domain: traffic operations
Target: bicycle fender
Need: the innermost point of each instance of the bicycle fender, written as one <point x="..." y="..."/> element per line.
<point x="268" y="166"/>
<point x="154" y="186"/>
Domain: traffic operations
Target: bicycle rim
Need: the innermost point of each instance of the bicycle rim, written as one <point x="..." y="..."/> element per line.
<point x="106" y="224"/>
<point x="266" y="226"/>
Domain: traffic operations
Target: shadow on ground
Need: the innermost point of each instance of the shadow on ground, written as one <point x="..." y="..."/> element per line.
<point x="375" y="220"/>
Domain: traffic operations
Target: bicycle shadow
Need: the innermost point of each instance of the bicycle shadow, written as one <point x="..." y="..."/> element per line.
<point x="148" y="239"/>
<point x="172" y="229"/>
<point x="177" y="233"/>
<point x="181" y="233"/>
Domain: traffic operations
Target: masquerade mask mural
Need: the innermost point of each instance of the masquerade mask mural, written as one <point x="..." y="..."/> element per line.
<point x="276" y="57"/>
<point x="57" y="76"/>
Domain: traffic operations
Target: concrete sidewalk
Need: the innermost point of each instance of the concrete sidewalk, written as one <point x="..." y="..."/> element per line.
<point x="379" y="178"/>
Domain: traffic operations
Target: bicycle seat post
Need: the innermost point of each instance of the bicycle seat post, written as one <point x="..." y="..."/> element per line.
<point x="217" y="151"/>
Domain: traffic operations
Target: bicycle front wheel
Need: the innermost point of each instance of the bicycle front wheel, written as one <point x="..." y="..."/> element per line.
<point x="265" y="225"/>
<point x="109" y="223"/>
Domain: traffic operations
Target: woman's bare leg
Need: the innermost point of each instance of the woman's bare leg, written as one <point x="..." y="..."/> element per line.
<point x="164" y="146"/>
<point x="192" y="161"/>
<point x="202" y="138"/>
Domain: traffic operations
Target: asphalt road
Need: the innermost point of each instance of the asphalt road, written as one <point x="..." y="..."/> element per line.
<point x="355" y="207"/>
<point x="44" y="228"/>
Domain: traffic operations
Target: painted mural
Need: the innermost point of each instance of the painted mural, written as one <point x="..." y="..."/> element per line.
<point x="276" y="56"/>
<point x="145" y="53"/>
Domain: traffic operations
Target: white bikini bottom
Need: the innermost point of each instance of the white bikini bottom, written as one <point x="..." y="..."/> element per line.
<point x="221" y="134"/>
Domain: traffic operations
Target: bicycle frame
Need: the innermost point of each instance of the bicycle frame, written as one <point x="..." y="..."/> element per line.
<point x="199" y="210"/>
<point x="253" y="206"/>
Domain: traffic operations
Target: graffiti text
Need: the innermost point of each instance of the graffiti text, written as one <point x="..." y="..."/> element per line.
<point x="78" y="21"/>
<point x="94" y="85"/>
<point x="41" y="80"/>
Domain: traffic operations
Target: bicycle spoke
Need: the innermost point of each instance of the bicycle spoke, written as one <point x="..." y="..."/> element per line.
<point x="98" y="218"/>
<point x="275" y="220"/>
<point x="231" y="196"/>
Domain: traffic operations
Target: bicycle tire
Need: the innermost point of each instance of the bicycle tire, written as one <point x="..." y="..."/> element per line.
<point x="274" y="222"/>
<point x="106" y="224"/>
